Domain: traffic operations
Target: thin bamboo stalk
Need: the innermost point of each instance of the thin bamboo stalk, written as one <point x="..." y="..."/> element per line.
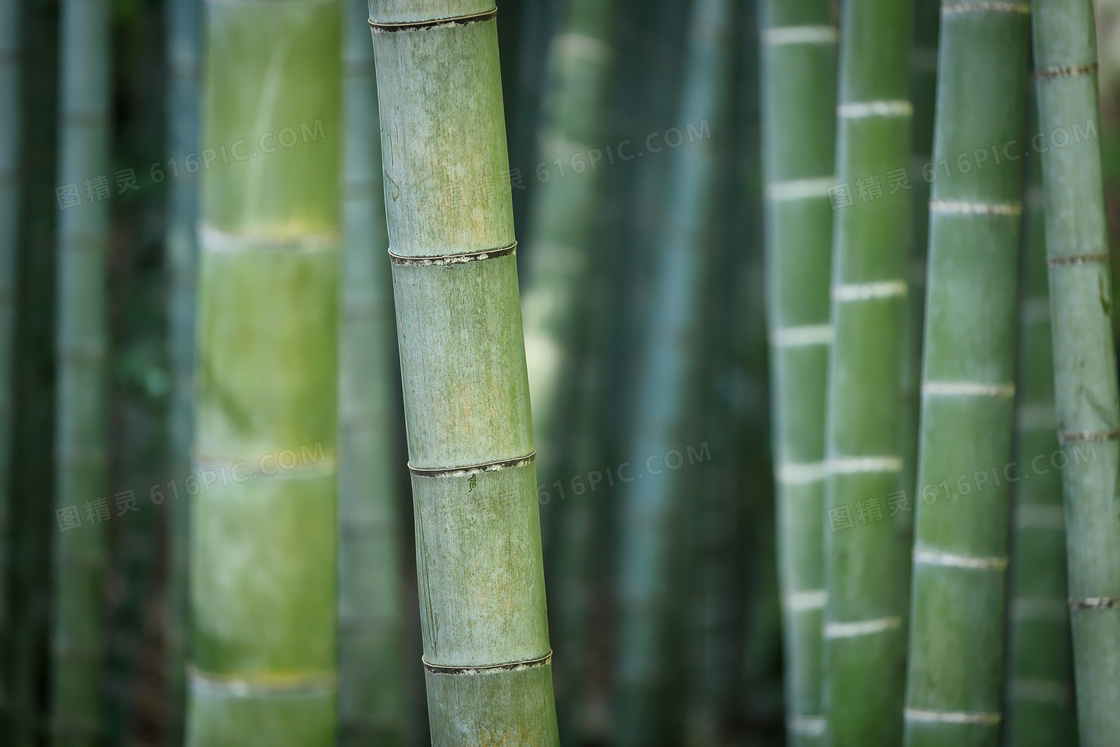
<point x="670" y="367"/>
<point x="466" y="396"/>
<point x="1038" y="694"/>
<point x="867" y="539"/>
<point x="263" y="539"/>
<point x="1081" y="285"/>
<point x="78" y="645"/>
<point x="799" y="130"/>
<point x="960" y="553"/>
<point x="184" y="20"/>
<point x="372" y="697"/>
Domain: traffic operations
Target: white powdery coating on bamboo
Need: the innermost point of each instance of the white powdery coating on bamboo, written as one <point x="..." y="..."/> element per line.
<point x="800" y="601"/>
<point x="950" y="8"/>
<point x="859" y="465"/>
<point x="796" y="337"/>
<point x="582" y="46"/>
<point x="1039" y="608"/>
<point x="1032" y="516"/>
<point x="800" y="35"/>
<point x="793" y="473"/>
<point x="953" y="717"/>
<point x="800" y="189"/>
<point x="211" y="239"/>
<point x="861" y="627"/>
<point x="870" y="291"/>
<point x="1039" y="691"/>
<point x="965" y="207"/>
<point x="950" y="560"/>
<point x="809" y="725"/>
<point x="863" y="109"/>
<point x="967" y="389"/>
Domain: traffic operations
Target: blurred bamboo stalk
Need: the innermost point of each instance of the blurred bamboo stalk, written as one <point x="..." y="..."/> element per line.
<point x="466" y="394"/>
<point x="372" y="702"/>
<point x="1081" y="284"/>
<point x="184" y="20"/>
<point x="263" y="544"/>
<point x="80" y="552"/>
<point x="867" y="538"/>
<point x="960" y="552"/>
<point x="799" y="130"/>
<point x="667" y="376"/>
<point x="1038" y="693"/>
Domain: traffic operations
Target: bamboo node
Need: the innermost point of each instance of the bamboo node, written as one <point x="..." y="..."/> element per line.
<point x="869" y="291"/>
<point x="800" y="189"/>
<point x="967" y="389"/>
<point x="964" y="207"/>
<point x="388" y="28"/>
<point x="800" y="35"/>
<point x="953" y="717"/>
<point x="1095" y="603"/>
<point x="1077" y="259"/>
<point x="1077" y="437"/>
<point x="513" y="666"/>
<point x="862" y="109"/>
<point x="948" y="8"/>
<point x="860" y="465"/>
<point x="950" y="560"/>
<point x="796" y="337"/>
<point x="473" y="469"/>
<point x="1065" y="71"/>
<point x="861" y="627"/>
<point x="447" y="260"/>
<point x="810" y="725"/>
<point x="310" y="685"/>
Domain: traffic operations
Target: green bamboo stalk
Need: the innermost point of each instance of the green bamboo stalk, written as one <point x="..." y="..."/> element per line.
<point x="1081" y="285"/>
<point x="960" y="553"/>
<point x="562" y="220"/>
<point x="466" y="397"/>
<point x="78" y="645"/>
<point x="669" y="371"/>
<point x="263" y="540"/>
<point x="371" y="698"/>
<point x="10" y="127"/>
<point x="1038" y="695"/>
<point x="799" y="130"/>
<point x="867" y="563"/>
<point x="184" y="19"/>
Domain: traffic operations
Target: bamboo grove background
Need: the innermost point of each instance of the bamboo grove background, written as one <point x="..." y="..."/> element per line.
<point x="707" y="320"/>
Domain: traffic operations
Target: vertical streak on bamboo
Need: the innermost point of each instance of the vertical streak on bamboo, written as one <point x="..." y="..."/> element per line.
<point x="1038" y="692"/>
<point x="372" y="694"/>
<point x="184" y="19"/>
<point x="80" y="427"/>
<point x="1084" y="355"/>
<point x="263" y="528"/>
<point x="960" y="553"/>
<point x="466" y="395"/>
<point x="799" y="129"/>
<point x="667" y="375"/>
<point x="10" y="128"/>
<point x="867" y="563"/>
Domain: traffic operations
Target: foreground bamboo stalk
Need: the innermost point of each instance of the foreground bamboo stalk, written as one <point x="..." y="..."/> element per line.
<point x="466" y="396"/>
<point x="372" y="699"/>
<point x="960" y="553"/>
<point x="80" y="425"/>
<point x="668" y="373"/>
<point x="1038" y="693"/>
<point x="799" y="129"/>
<point x="263" y="524"/>
<point x="867" y="539"/>
<point x="1084" y="354"/>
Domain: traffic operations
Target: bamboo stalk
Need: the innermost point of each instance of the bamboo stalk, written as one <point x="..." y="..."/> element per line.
<point x="372" y="696"/>
<point x="960" y="553"/>
<point x="466" y="396"/>
<point x="668" y="372"/>
<point x="799" y="126"/>
<point x="1077" y="250"/>
<point x="263" y="539"/>
<point x="78" y="645"/>
<point x="1038" y="693"/>
<point x="867" y="540"/>
<point x="184" y="19"/>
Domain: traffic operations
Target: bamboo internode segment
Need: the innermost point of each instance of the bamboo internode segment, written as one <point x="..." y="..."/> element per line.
<point x="466" y="395"/>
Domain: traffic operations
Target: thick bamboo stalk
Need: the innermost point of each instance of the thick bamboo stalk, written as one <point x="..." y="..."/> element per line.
<point x="372" y="695"/>
<point x="184" y="20"/>
<point x="867" y="537"/>
<point x="669" y="370"/>
<point x="960" y="552"/>
<point x="1077" y="250"/>
<point x="263" y="531"/>
<point x="78" y="645"/>
<point x="799" y="129"/>
<point x="466" y="397"/>
<point x="1038" y="692"/>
